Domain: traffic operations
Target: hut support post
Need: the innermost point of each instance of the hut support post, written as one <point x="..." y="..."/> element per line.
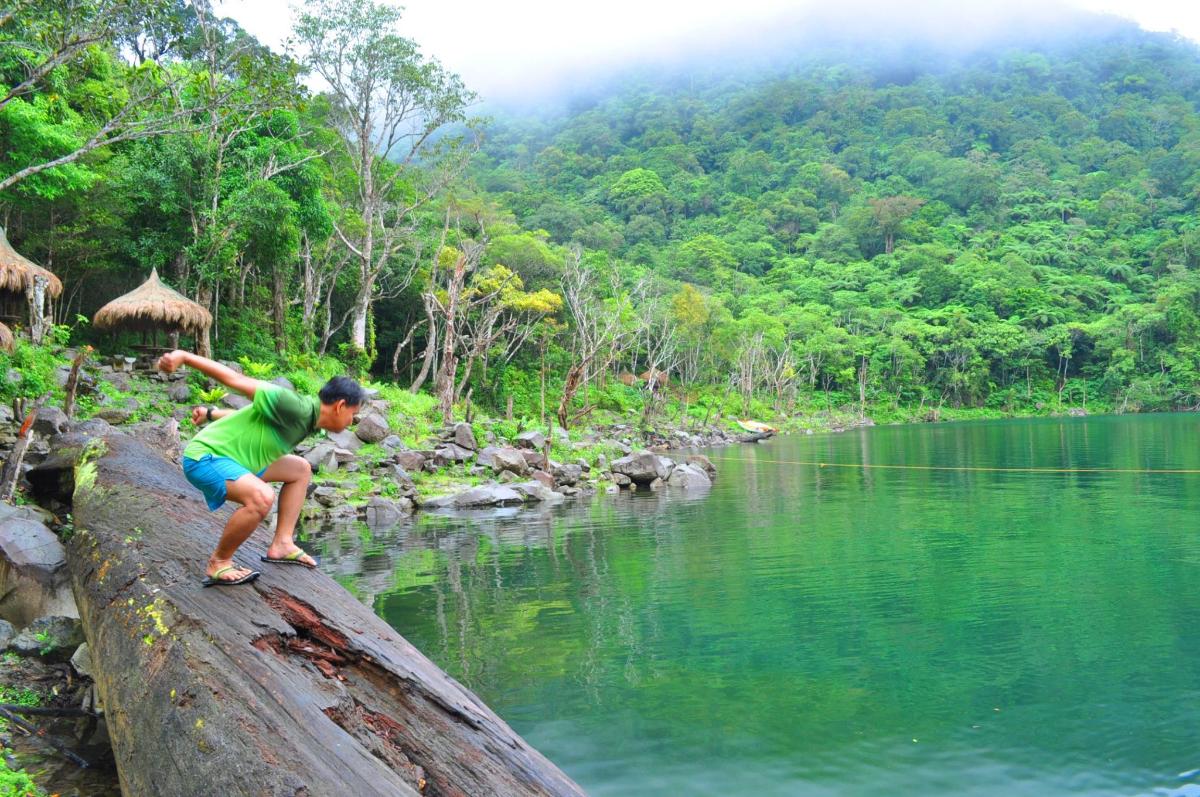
<point x="37" y="308"/>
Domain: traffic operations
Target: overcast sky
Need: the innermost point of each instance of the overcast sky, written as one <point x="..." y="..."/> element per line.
<point x="502" y="49"/>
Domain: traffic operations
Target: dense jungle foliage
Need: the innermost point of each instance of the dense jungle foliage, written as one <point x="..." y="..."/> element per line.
<point x="1013" y="230"/>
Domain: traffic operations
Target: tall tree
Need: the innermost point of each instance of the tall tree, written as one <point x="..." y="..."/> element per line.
<point x="393" y="107"/>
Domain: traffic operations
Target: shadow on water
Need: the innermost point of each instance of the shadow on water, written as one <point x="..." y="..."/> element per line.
<point x="810" y="631"/>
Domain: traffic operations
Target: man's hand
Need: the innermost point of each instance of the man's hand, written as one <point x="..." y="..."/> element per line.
<point x="199" y="415"/>
<point x="172" y="360"/>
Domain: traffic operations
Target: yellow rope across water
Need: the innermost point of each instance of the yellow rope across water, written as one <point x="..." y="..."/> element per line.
<point x="963" y="468"/>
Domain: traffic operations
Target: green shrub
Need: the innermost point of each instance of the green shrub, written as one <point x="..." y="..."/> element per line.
<point x="36" y="366"/>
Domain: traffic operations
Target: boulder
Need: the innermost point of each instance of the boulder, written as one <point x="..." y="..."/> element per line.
<point x="561" y="436"/>
<point x="283" y="382"/>
<point x="689" y="477"/>
<point x="326" y="496"/>
<point x="6" y="414"/>
<point x="345" y="439"/>
<point x="322" y="457"/>
<point x="464" y="436"/>
<point x="621" y="480"/>
<point x="703" y="463"/>
<point x="7" y="632"/>
<point x="510" y="459"/>
<point x="33" y="577"/>
<point x="532" y="439"/>
<point x="485" y="456"/>
<point x="544" y="478"/>
<point x="161" y="436"/>
<point x="81" y="660"/>
<point x="53" y="638"/>
<point x="567" y="474"/>
<point x="535" y="459"/>
<point x="373" y="428"/>
<point x="399" y="475"/>
<point x="507" y="477"/>
<point x="381" y="511"/>
<point x="392" y="442"/>
<point x="344" y="456"/>
<point x="641" y="468"/>
<point x="180" y="392"/>
<point x="488" y="495"/>
<point x="120" y="380"/>
<point x="535" y="491"/>
<point x="51" y="421"/>
<point x="410" y="460"/>
<point x="114" y="415"/>
<point x="451" y="453"/>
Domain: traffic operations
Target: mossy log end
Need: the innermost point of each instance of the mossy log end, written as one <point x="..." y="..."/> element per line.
<point x="287" y="686"/>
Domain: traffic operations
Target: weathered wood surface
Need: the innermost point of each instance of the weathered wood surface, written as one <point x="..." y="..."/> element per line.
<point x="288" y="686"/>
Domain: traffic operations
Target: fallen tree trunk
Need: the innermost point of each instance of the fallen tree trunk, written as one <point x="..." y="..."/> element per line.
<point x="288" y="686"/>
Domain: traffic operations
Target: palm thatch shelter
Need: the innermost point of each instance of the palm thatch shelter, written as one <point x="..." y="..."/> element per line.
<point x="152" y="306"/>
<point x="6" y="338"/>
<point x="24" y="288"/>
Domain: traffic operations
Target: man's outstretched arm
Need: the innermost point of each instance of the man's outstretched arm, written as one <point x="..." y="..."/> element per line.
<point x="226" y="376"/>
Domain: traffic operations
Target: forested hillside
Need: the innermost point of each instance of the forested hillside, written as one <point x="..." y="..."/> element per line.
<point x="1013" y="230"/>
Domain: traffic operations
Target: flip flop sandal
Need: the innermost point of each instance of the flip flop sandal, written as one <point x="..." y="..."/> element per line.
<point x="291" y="559"/>
<point x="215" y="579"/>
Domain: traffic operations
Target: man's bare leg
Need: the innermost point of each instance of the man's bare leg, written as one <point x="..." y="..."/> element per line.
<point x="295" y="473"/>
<point x="255" y="497"/>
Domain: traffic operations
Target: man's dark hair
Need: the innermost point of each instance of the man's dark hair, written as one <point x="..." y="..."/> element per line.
<point x="342" y="388"/>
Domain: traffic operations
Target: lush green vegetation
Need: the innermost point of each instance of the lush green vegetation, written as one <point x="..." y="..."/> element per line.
<point x="1012" y="232"/>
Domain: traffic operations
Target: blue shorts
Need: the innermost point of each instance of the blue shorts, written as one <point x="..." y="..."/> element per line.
<point x="209" y="474"/>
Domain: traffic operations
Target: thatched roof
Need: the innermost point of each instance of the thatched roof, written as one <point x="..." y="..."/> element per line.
<point x="17" y="272"/>
<point x="6" y="338"/>
<point x="153" y="305"/>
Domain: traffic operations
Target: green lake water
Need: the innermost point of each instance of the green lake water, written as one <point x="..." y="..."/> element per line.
<point x="826" y="631"/>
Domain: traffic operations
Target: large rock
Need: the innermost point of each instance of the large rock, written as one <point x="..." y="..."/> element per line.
<point x="326" y="496"/>
<point x="410" y="460"/>
<point x="373" y="428"/>
<point x="451" y="453"/>
<point x="392" y="441"/>
<point x="567" y="474"/>
<point x="641" y="468"/>
<point x="283" y="382"/>
<point x="33" y="577"/>
<point x="535" y="459"/>
<point x="399" y="475"/>
<point x="115" y="415"/>
<point x="179" y="392"/>
<point x="485" y="456"/>
<point x="345" y="439"/>
<point x="509" y="459"/>
<point x="689" y="477"/>
<point x="489" y="495"/>
<point x="703" y="463"/>
<point x="162" y="436"/>
<point x="7" y="632"/>
<point x="53" y="638"/>
<point x="51" y="421"/>
<point x="322" y="457"/>
<point x="381" y="511"/>
<point x="532" y="439"/>
<point x="535" y="491"/>
<point x="464" y="436"/>
<point x="81" y="660"/>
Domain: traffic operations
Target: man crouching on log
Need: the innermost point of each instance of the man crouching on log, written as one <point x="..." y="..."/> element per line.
<point x="234" y="458"/>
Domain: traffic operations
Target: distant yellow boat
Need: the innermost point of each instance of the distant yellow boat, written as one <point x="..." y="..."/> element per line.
<point x="755" y="426"/>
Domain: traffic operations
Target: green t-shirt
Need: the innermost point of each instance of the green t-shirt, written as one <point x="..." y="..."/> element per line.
<point x="257" y="435"/>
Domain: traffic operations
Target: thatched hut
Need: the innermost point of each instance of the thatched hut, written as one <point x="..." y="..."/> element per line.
<point x="152" y="306"/>
<point x="24" y="288"/>
<point x="6" y="338"/>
